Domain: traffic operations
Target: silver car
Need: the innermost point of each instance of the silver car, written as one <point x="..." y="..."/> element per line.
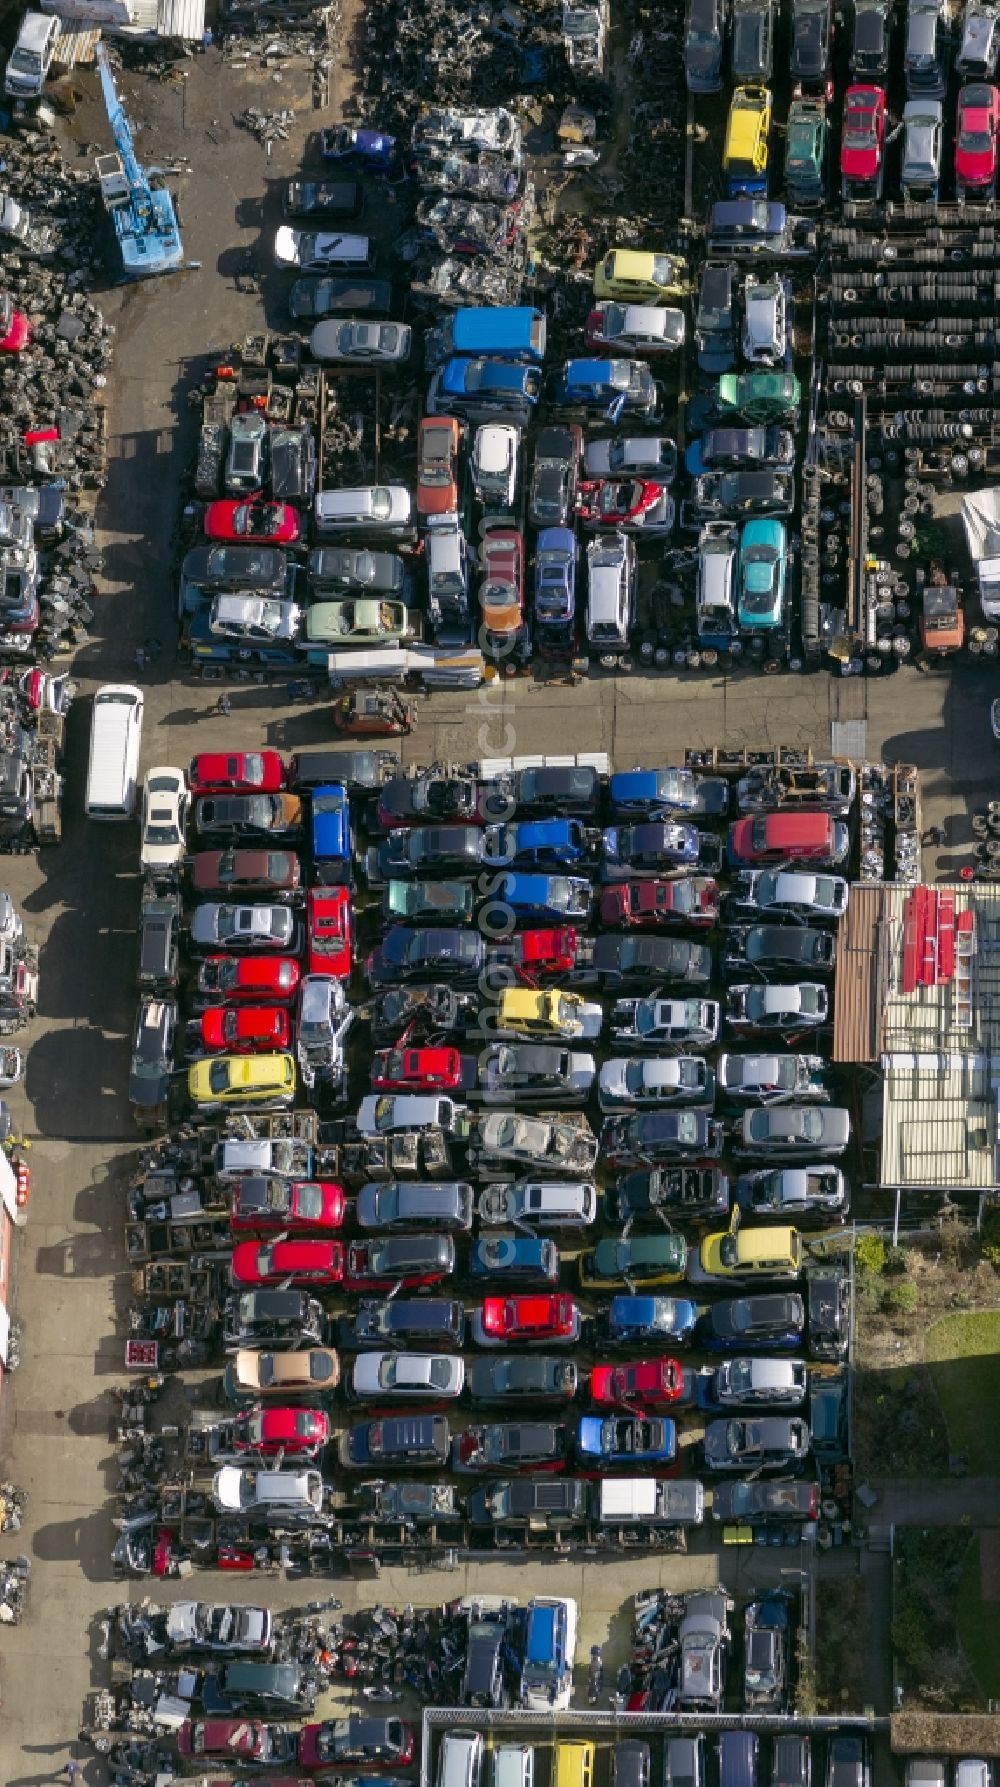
<point x="765" y="321"/>
<point x="649" y="456"/>
<point x="256" y="619"/>
<point x="391" y="1377"/>
<point x="245" y="457"/>
<point x="793" y="1131"/>
<point x="631" y="1081"/>
<point x="243" y="927"/>
<point x="923" y="125"/>
<point x="381" y="344"/>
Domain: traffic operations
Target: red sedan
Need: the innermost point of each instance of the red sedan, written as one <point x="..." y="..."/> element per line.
<point x="429" y="1070"/>
<point x="15" y="329"/>
<point x="613" y="502"/>
<point x="502" y="1321"/>
<point x="541" y="952"/>
<point x="264" y="1204"/>
<point x="645" y="1384"/>
<point x="249" y="1741"/>
<point x="248" y="977"/>
<point x="300" y="1262"/>
<point x="245" y="1029"/>
<point x="655" y="905"/>
<point x="236" y="772"/>
<point x="403" y="1262"/>
<point x="328" y="932"/>
<point x="862" y="143"/>
<point x="976" y="140"/>
<point x="288" y="1432"/>
<point x="253" y="521"/>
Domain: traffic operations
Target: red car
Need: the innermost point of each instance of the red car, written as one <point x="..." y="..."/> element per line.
<point x="290" y="1432"/>
<point x="361" y="1741"/>
<point x="862" y="143"/>
<point x="439" y="439"/>
<point x="406" y="1262"/>
<point x="652" y="905"/>
<point x="254" y="521"/>
<point x="247" y="1741"/>
<point x="15" y="329"/>
<point x="788" y="838"/>
<point x="501" y="592"/>
<point x="533" y="953"/>
<point x="300" y="1262"/>
<point x="504" y="1320"/>
<point x="264" y="1203"/>
<point x="645" y="1384"/>
<point x="328" y="932"/>
<point x="976" y="128"/>
<point x="236" y="772"/>
<point x="245" y="1029"/>
<point x="614" y="502"/>
<point x="248" y="977"/>
<point x="430" y="1070"/>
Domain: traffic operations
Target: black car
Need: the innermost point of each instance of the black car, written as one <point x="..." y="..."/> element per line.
<point x="739" y="448"/>
<point x="847" y="1761"/>
<point x="521" y="1501"/>
<point x="452" y="800"/>
<point x="660" y="1136"/>
<point x="426" y="955"/>
<point x="631" y="1764"/>
<point x="693" y="1194"/>
<point x="704" y="35"/>
<point x="355" y="567"/>
<point x="395" y="1440"/>
<point x="388" y="1262"/>
<point x="319" y="297"/>
<point x="159" y="943"/>
<point x="828" y="1299"/>
<point x="812" y="34"/>
<point x="424" y="849"/>
<point x="870" y="43"/>
<point x="638" y="963"/>
<point x="510" y="1446"/>
<point x="715" y="327"/>
<point x="733" y="495"/>
<point x="779" y="949"/>
<point x="259" y="1688"/>
<point x="293" y="464"/>
<point x="323" y="200"/>
<point x="530" y="1072"/>
<point x="751" y="1324"/>
<point x="426" y="1323"/>
<point x="152" y="1060"/>
<point x="553" y="792"/>
<point x="483" y="1679"/>
<point x="232" y="567"/>
<point x="791" y="1757"/>
<point x="512" y="1377"/>
<point x="751" y="53"/>
<point x="281" y="1320"/>
<point x="246" y="815"/>
<point x="554" y="475"/>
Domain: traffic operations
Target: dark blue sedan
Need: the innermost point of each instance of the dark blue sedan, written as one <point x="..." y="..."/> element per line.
<point x="555" y="588"/>
<point x="515" y="1259"/>
<point x="655" y="848"/>
<point x="662" y="793"/>
<point x="634" y="1319"/>
<point x="626" y="1439"/>
<point x="754" y="1324"/>
<point x="537" y="843"/>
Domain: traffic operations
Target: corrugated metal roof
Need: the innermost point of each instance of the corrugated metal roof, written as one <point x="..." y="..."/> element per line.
<point x="76" y="47"/>
<point x="183" y="20"/>
<point x="938" y="1122"/>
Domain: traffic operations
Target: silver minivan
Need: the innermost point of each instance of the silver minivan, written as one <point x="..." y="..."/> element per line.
<point x="715" y="588"/>
<point x="460" y="1758"/>
<point x="923" y="127"/>
<point x="612" y="582"/>
<point x="514" y="1766"/>
<point x="31" y="58"/>
<point x="370" y="509"/>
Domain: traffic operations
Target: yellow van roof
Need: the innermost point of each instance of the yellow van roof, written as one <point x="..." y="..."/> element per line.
<point x="777" y="1243"/>
<point x="520" y="1002"/>
<point x="633" y="263"/>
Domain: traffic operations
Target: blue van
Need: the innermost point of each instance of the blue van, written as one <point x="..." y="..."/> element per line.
<point x="739" y="1753"/>
<point x="504" y="331"/>
<point x="332" y="843"/>
<point x="538" y="843"/>
<point x="485" y="391"/>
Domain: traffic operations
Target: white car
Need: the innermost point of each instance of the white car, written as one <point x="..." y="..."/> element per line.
<point x="259" y="619"/>
<point x="164" y="816"/>
<point x="495" y="450"/>
<point x="321" y="251"/>
<point x="757" y="1383"/>
<point x="202" y="1625"/>
<point x="769" y="1079"/>
<point x="222" y="926"/>
<point x="386" y="1113"/>
<point x="636" y="328"/>
<point x="634" y="1080"/>
<point x="348" y="338"/>
<point x="791" y="892"/>
<point x="540" y="1203"/>
<point x="377" y="1377"/>
<point x="804" y="1006"/>
<point x="278" y="1496"/>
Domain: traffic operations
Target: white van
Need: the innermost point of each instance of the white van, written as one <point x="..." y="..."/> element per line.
<point x="460" y="1758"/>
<point x="369" y="509"/>
<point x="31" y="58"/>
<point x="115" y="738"/>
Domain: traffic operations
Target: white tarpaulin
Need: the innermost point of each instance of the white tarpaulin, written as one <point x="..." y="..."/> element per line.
<point x="8" y="1188"/>
<point x="981" y="520"/>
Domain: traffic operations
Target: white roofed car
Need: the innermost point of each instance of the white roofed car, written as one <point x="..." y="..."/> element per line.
<point x="384" y="1113"/>
<point x="818" y="1189"/>
<point x="803" y="1006"/>
<point x="164" y="813"/>
<point x="348" y="338"/>
<point x="754" y="1382"/>
<point x="252" y="618"/>
<point x="626" y="1081"/>
<point x="791" y="893"/>
<point x="388" y="1376"/>
<point x="320" y="251"/>
<point x="636" y="328"/>
<point x="233" y="1630"/>
<point x="649" y="456"/>
<point x="243" y="927"/>
<point x="767" y="1079"/>
<point x="555" y="1203"/>
<point x="277" y="1496"/>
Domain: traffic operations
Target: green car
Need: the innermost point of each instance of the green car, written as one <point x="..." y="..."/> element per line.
<point x="805" y="154"/>
<point x="761" y="576"/>
<point x="357" y="621"/>
<point x="644" y="1260"/>
<point x="759" y="396"/>
<point x="428" y="902"/>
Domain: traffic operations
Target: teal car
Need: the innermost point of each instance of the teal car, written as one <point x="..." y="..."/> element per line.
<point x="805" y="154"/>
<point x="763" y="556"/>
<point x="758" y="396"/>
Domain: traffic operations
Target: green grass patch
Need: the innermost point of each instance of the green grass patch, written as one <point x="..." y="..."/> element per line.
<point x="963" y="1354"/>
<point x="978" y="1625"/>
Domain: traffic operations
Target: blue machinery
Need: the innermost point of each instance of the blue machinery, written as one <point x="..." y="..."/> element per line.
<point x="144" y="221"/>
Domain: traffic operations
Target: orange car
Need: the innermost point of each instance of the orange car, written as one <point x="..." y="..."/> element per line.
<point x="438" y="441"/>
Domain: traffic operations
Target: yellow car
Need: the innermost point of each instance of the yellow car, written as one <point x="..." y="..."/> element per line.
<point x="641" y="276"/>
<point x="549" y="1014"/>
<point x="744" y="157"/>
<point x="751" y="1254"/>
<point x="260" y="1082"/>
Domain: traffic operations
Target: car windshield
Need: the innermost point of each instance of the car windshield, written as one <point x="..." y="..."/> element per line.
<point x="975" y="142"/>
<point x="218" y="1076"/>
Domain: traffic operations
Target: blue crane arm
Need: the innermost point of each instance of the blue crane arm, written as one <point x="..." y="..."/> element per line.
<point x="120" y="126"/>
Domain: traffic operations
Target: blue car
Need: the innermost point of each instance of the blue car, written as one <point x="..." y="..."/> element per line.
<point x="763" y="560"/>
<point x="626" y="1439"/>
<point x="659" y="1319"/>
<point x="332" y="843"/>
<point x="754" y="1324"/>
<point x="555" y="589"/>
<point x="653" y="848"/>
<point x="482" y="390"/>
<point x="373" y="150"/>
<point x="532" y="897"/>
<point x="515" y="1259"/>
<point x="538" y="843"/>
<point x="610" y="388"/>
<point x="661" y="793"/>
